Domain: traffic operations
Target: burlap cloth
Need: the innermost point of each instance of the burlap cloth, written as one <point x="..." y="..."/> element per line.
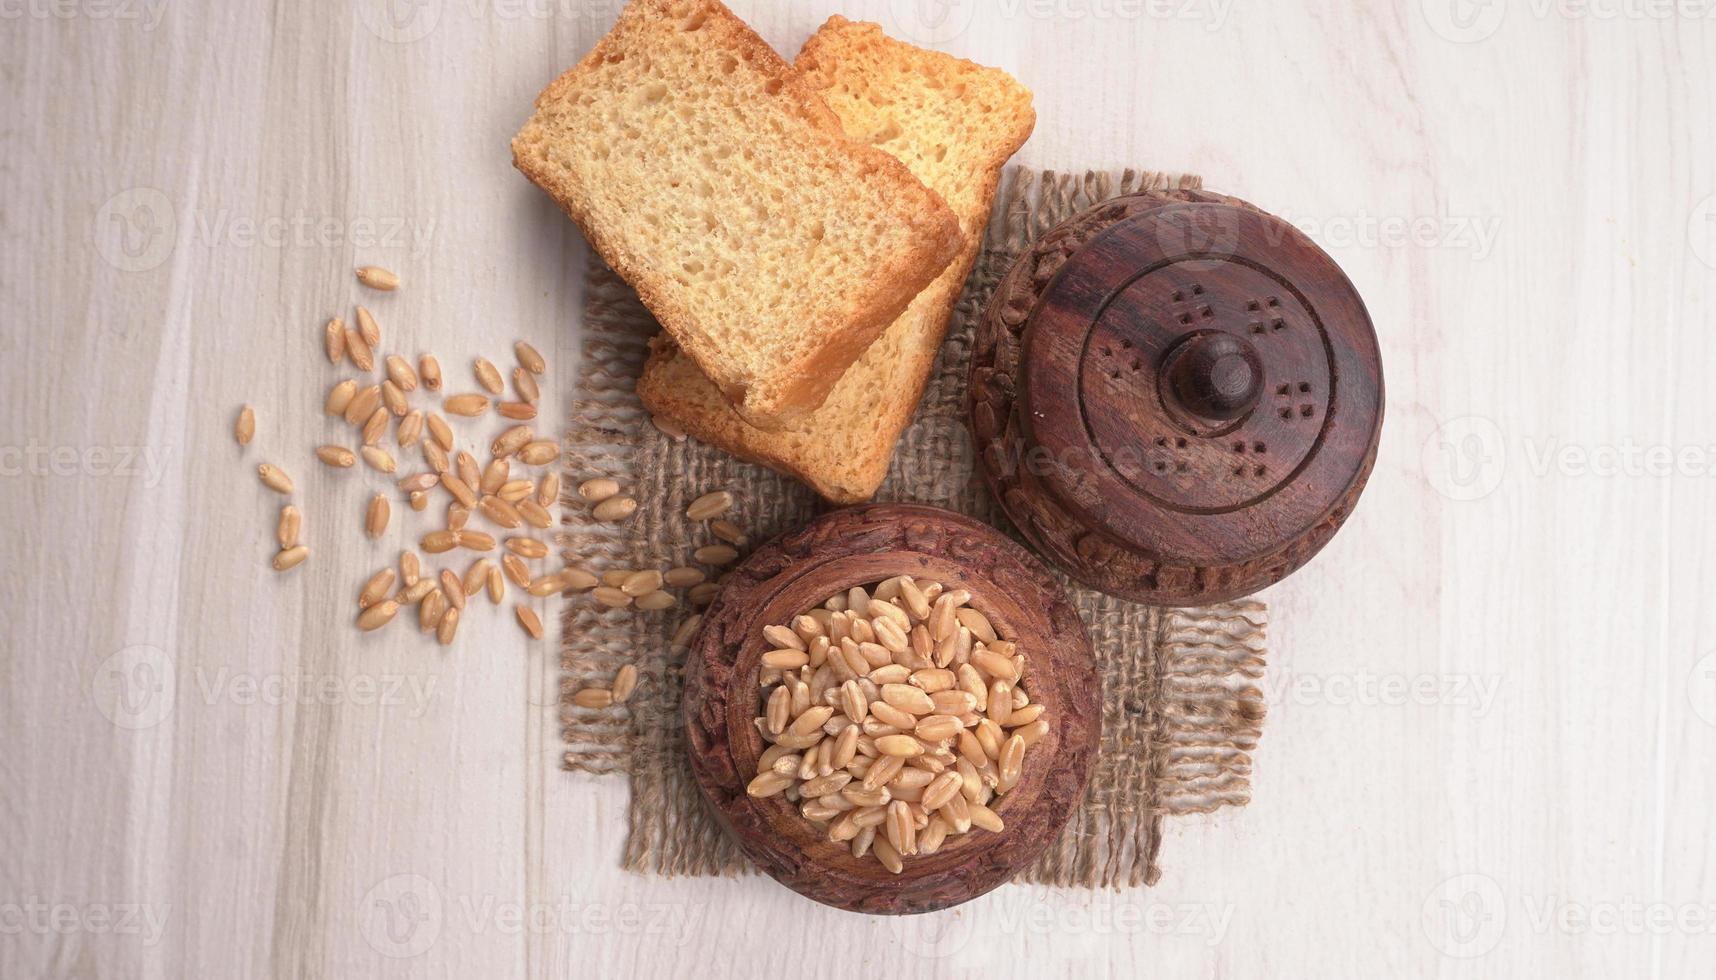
<point x="1181" y="711"/>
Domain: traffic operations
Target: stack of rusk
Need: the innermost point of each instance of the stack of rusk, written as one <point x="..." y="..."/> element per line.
<point x="800" y="231"/>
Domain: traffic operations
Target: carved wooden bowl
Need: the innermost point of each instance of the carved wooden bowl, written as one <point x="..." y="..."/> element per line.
<point x="1176" y="397"/>
<point x="863" y="546"/>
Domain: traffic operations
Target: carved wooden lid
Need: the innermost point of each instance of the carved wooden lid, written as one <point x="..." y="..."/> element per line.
<point x="1177" y="397"/>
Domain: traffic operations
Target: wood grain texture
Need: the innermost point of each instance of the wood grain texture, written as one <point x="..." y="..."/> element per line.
<point x="1525" y="213"/>
<point x="1177" y="397"/>
<point x="862" y="546"/>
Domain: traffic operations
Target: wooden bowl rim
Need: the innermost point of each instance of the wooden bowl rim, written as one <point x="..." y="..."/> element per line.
<point x="771" y="831"/>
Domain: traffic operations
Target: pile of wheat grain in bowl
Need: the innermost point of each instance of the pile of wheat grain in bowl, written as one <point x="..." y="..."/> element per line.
<point x="894" y="718"/>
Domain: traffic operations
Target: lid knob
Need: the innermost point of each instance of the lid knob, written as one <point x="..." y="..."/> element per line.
<point x="1214" y="375"/>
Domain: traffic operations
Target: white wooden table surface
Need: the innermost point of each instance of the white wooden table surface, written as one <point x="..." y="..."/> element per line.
<point x="1493" y="698"/>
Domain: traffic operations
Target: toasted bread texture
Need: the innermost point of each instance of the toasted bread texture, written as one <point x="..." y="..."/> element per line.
<point x="955" y="124"/>
<point x="717" y="183"/>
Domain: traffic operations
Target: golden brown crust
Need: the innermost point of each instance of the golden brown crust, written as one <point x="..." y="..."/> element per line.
<point x="797" y="386"/>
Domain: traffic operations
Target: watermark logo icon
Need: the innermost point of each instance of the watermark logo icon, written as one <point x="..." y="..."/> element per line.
<point x="1465" y="916"/>
<point x="1201" y="238"/>
<point x="1701" y="688"/>
<point x="1465" y="458"/>
<point x="135" y="688"/>
<point x="931" y="22"/>
<point x="400" y="21"/>
<point x="136" y="229"/>
<point x="401" y="916"/>
<point x="955" y="461"/>
<point x="934" y="936"/>
<point x="1464" y="21"/>
<point x="1701" y="231"/>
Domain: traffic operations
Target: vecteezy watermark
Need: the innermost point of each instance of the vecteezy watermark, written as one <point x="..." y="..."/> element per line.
<point x="1475" y="693"/>
<point x="931" y="22"/>
<point x="1470" y="21"/>
<point x="1446" y="230"/>
<point x="224" y="686"/>
<point x="404" y="915"/>
<point x="1701" y="688"/>
<point x="143" y="13"/>
<point x="942" y="935"/>
<point x="1701" y="231"/>
<point x="137" y="230"/>
<point x="951" y="471"/>
<point x="1465" y="916"/>
<point x="34" y="459"/>
<point x="1468" y="457"/>
<point x="135" y="688"/>
<point x="37" y="917"/>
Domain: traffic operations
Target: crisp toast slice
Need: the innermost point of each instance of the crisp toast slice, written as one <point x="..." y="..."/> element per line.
<point x="955" y="124"/>
<point x="714" y="180"/>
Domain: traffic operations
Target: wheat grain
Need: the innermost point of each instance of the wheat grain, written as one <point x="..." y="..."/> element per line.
<point x="683" y="577"/>
<point x="375" y="277"/>
<point x="400" y="373"/>
<point x="475" y="540"/>
<point x="340" y="396"/>
<point x="656" y="601"/>
<point x="521" y="411"/>
<point x="378" y="615"/>
<point x="529" y="359"/>
<point x="439" y="542"/>
<point x="360" y="351"/>
<point x="487" y="376"/>
<point x="709" y="505"/>
<point x="368" y="329"/>
<point x="376" y="516"/>
<point x="534" y="514"/>
<point x="528" y="619"/>
<point x="430" y="610"/>
<point x="596" y="490"/>
<point x="375" y="427"/>
<point x="376" y="589"/>
<point x="516" y="492"/>
<point x="611" y="597"/>
<point x="511" y="441"/>
<point x="460" y="490"/>
<point x="274" y="478"/>
<point x="245" y="428"/>
<point x="729" y="532"/>
<point x="548" y="490"/>
<point x="614" y="509"/>
<point x="715" y="554"/>
<point x="286" y="531"/>
<point x="539" y="453"/>
<point x="429" y="369"/>
<point x="641" y="583"/>
<point x="527" y="547"/>
<point x="469" y="405"/>
<point x="379" y="459"/>
<point x="362" y="405"/>
<point x="394" y="399"/>
<point x="334" y="340"/>
<point x="290" y="558"/>
<point x="448" y="627"/>
<point x="625" y="682"/>
<point x="410" y="429"/>
<point x="525" y="383"/>
<point x="453" y="588"/>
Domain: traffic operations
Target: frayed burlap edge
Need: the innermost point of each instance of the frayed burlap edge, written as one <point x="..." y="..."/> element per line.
<point x="1182" y="711"/>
